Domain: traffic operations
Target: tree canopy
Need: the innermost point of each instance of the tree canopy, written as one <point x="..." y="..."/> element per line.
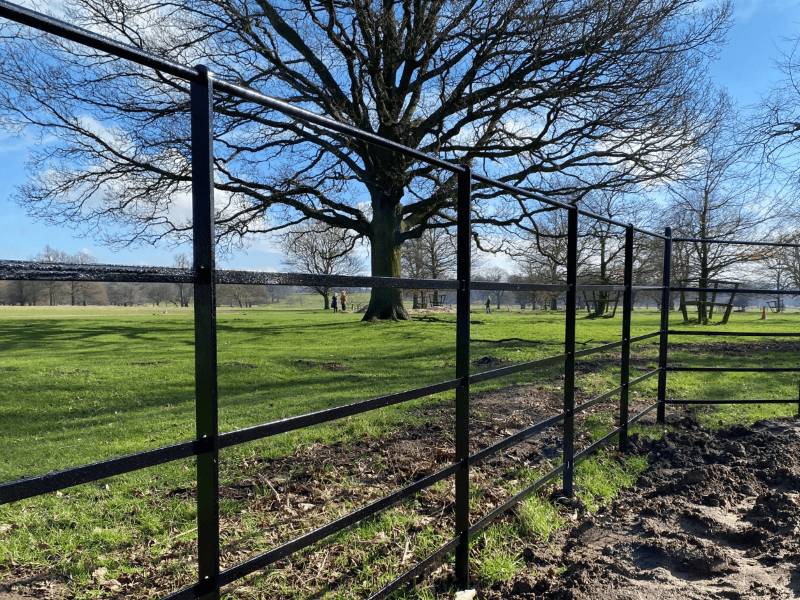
<point x="563" y="97"/>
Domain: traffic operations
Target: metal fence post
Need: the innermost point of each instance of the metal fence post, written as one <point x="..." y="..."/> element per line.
<point x="625" y="361"/>
<point x="464" y="266"/>
<point x="664" y="338"/>
<point x="205" y="334"/>
<point x="569" y="351"/>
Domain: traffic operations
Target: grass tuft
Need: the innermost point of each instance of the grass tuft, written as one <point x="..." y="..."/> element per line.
<point x="539" y="518"/>
<point x="497" y="560"/>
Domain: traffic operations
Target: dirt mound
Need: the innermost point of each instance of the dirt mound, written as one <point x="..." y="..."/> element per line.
<point x="717" y="515"/>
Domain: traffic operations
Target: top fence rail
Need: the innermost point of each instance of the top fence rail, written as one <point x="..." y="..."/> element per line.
<point x="51" y="25"/>
<point x="694" y="240"/>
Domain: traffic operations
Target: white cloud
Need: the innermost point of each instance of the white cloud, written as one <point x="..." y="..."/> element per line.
<point x="56" y="8"/>
<point x="745" y="10"/>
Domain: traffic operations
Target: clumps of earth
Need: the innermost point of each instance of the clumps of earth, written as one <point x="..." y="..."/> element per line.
<point x="715" y="516"/>
<point x="488" y="361"/>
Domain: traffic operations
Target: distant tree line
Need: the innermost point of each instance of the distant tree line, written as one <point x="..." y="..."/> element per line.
<point x="89" y="293"/>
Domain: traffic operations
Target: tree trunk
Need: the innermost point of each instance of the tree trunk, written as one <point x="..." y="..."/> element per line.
<point x="385" y="303"/>
<point x="326" y="299"/>
<point x="684" y="311"/>
<point x="601" y="302"/>
<point x="702" y="297"/>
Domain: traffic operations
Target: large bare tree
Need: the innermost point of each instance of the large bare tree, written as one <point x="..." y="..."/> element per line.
<point x="718" y="197"/>
<point x="322" y="250"/>
<point x="430" y="256"/>
<point x="541" y="253"/>
<point x="540" y="93"/>
<point x="606" y="242"/>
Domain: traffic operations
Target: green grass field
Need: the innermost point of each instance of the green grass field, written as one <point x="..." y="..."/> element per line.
<point x="80" y="385"/>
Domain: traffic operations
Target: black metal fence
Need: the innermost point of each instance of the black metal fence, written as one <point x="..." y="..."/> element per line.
<point x="205" y="277"/>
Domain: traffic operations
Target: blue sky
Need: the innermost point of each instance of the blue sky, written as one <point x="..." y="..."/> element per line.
<point x="746" y="67"/>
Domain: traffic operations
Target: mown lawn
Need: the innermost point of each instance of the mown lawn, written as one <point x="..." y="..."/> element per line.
<point x="84" y="384"/>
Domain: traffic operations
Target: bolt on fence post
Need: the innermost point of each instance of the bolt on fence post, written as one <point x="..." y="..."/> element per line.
<point x="625" y="360"/>
<point x="569" y="351"/>
<point x="664" y="338"/>
<point x="464" y="266"/>
<point x="205" y="334"/>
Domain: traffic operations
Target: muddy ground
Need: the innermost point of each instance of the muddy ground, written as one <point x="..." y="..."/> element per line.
<point x="716" y="516"/>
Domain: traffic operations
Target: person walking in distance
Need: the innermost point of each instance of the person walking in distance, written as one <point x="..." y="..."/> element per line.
<point x="333" y="303"/>
<point x="488" y="305"/>
<point x="343" y="300"/>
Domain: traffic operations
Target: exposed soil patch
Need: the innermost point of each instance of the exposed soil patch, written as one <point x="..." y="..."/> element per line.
<point x="716" y="516"/>
<point x="147" y="363"/>
<point x="33" y="585"/>
<point x="237" y="365"/>
<point x="327" y="365"/>
<point x="738" y="348"/>
<point x="488" y="361"/>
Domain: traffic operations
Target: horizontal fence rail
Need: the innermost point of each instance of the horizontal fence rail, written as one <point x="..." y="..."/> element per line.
<point x="18" y="270"/>
<point x="736" y="333"/>
<point x="732" y="401"/>
<point x="777" y="244"/>
<point x="205" y="276"/>
<point x="760" y="291"/>
<point x="735" y="369"/>
<point x="58" y="480"/>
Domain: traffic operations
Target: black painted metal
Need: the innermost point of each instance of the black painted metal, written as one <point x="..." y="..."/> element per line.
<point x="38" y="271"/>
<point x="205" y="333"/>
<point x="315" y="279"/>
<point x="516" y="368"/>
<point x="271" y="556"/>
<point x="417" y="570"/>
<point x="518" y="287"/>
<point x="559" y="359"/>
<point x="625" y="360"/>
<point x="42" y="22"/>
<point x="646" y="336"/>
<point x="587" y="404"/>
<point x="28" y="487"/>
<point x="589" y="450"/>
<point x="641" y="378"/>
<point x="569" y="351"/>
<point x="736" y="369"/>
<point x="764" y="291"/>
<point x="737" y="242"/>
<point x="665" y="306"/>
<point x="596" y="349"/>
<point x="735" y="333"/>
<point x="731" y="401"/>
<point x="613" y="393"/>
<point x="515" y="439"/>
<point x="464" y="250"/>
<point x="500" y="510"/>
<point x="23" y="270"/>
<point x="257" y="432"/>
<point x="204" y="276"/>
